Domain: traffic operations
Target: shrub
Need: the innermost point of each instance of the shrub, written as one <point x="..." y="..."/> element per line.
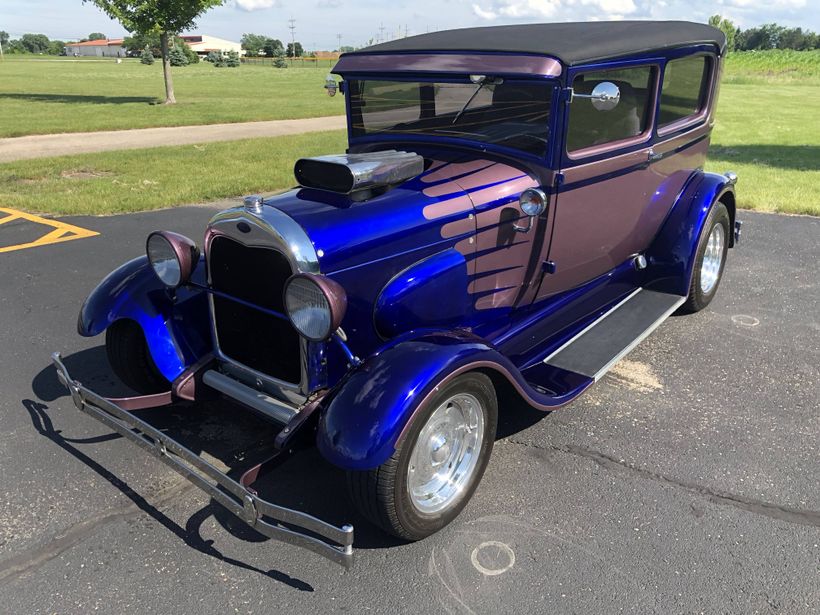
<point x="193" y="57"/>
<point x="214" y="57"/>
<point x="177" y="57"/>
<point x="147" y="57"/>
<point x="232" y="60"/>
<point x="279" y="59"/>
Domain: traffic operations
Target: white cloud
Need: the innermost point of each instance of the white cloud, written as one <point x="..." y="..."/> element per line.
<point x="256" y="5"/>
<point x="484" y="14"/>
<point x="550" y="9"/>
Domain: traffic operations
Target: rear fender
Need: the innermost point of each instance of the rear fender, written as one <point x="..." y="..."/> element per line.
<point x="175" y="323"/>
<point x="672" y="254"/>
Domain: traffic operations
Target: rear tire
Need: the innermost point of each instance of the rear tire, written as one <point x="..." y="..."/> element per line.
<point x="452" y="453"/>
<point x="130" y="359"/>
<point x="710" y="259"/>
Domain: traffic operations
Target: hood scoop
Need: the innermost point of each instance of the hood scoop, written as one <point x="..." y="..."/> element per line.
<point x="358" y="174"/>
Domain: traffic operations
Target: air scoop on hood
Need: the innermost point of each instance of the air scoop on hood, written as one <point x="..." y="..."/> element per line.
<point x="350" y="173"/>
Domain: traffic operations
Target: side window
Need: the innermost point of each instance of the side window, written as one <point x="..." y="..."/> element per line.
<point x="683" y="94"/>
<point x="630" y="118"/>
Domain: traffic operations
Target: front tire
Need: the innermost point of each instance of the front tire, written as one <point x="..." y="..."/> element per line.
<point x="130" y="359"/>
<point x="710" y="259"/>
<point x="437" y="467"/>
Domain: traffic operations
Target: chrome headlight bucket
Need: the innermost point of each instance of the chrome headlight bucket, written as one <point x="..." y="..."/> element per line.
<point x="172" y="257"/>
<point x="315" y="305"/>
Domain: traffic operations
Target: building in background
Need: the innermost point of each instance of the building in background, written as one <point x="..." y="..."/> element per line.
<point x="102" y="48"/>
<point x="203" y="44"/>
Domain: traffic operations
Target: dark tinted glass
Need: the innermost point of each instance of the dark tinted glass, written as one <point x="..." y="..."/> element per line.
<point x="588" y="126"/>
<point x="684" y="89"/>
<point x="510" y="114"/>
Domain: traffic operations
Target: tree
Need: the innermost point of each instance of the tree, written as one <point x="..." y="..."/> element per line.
<point x="4" y="38"/>
<point x="232" y="59"/>
<point x="295" y="50"/>
<point x="96" y="36"/>
<point x="253" y="43"/>
<point x="56" y="48"/>
<point x="279" y="58"/>
<point x="177" y="57"/>
<point x="727" y="27"/>
<point x="147" y="57"/>
<point x="35" y="43"/>
<point x="272" y="45"/>
<point x="165" y="17"/>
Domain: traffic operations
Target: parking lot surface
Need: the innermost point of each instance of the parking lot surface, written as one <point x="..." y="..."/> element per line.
<point x="685" y="481"/>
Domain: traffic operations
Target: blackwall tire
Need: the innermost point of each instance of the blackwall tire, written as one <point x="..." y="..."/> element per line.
<point x="710" y="260"/>
<point x="396" y="497"/>
<point x="130" y="359"/>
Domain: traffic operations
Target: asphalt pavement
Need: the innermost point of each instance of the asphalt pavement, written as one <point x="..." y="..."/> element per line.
<point x="686" y="481"/>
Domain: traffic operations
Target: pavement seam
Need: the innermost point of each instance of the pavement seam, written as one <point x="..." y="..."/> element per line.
<point x="758" y="507"/>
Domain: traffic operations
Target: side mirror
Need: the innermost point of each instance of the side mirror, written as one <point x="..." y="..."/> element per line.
<point x="605" y="96"/>
<point x="331" y="86"/>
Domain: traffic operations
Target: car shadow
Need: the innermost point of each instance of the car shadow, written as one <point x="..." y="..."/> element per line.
<point x="78" y="98"/>
<point x="303" y="480"/>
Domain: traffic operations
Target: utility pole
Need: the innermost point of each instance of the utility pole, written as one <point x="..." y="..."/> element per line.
<point x="292" y="26"/>
<point x="381" y="33"/>
<point x="339" y="36"/>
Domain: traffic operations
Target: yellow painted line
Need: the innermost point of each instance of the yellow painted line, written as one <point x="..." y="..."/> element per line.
<point x="60" y="232"/>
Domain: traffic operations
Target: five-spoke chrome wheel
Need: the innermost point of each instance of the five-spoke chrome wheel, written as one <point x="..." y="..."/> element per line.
<point x="712" y="259"/>
<point x="437" y="463"/>
<point x="446" y="454"/>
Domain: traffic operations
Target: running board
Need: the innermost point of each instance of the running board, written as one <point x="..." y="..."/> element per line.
<point x="597" y="348"/>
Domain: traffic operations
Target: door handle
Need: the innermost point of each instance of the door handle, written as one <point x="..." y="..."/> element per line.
<point x="652" y="156"/>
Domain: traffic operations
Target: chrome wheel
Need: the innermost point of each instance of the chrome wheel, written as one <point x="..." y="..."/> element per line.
<point x="712" y="259"/>
<point x="446" y="454"/>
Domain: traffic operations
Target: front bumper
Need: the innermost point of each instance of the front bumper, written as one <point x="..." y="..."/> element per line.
<point x="291" y="526"/>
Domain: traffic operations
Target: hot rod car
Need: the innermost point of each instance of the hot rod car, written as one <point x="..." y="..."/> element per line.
<point x="518" y="205"/>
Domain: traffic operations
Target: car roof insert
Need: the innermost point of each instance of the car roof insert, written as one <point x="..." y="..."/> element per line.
<point x="572" y="43"/>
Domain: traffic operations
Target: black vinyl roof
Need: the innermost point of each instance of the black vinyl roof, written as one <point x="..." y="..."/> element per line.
<point x="572" y="43"/>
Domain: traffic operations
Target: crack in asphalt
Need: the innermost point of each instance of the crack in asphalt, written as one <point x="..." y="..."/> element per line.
<point x="19" y="565"/>
<point x="759" y="507"/>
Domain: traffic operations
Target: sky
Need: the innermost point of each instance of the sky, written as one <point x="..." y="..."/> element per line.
<point x="318" y="23"/>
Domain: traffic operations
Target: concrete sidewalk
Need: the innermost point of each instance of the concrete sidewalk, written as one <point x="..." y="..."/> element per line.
<point x="43" y="146"/>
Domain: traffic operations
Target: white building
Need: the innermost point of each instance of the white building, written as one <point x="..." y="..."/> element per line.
<point x="203" y="44"/>
<point x="107" y="48"/>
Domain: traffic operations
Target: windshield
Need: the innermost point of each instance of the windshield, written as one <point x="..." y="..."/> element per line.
<point x="510" y="114"/>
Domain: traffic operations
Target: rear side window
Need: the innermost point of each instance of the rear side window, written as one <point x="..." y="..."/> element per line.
<point x="588" y="126"/>
<point x="684" y="89"/>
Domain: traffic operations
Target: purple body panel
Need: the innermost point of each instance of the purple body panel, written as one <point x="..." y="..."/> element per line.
<point x="604" y="222"/>
<point x="497" y="254"/>
<point x="473" y="63"/>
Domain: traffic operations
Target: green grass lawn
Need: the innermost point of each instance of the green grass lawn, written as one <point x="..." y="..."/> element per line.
<point x="135" y="180"/>
<point x="41" y="96"/>
<point x="767" y="131"/>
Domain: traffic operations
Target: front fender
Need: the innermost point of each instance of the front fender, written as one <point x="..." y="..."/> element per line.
<point x="366" y="412"/>
<point x="175" y="324"/>
<point x="672" y="254"/>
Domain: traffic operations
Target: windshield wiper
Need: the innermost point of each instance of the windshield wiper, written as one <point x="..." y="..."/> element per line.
<point x="481" y="81"/>
<point x="469" y="100"/>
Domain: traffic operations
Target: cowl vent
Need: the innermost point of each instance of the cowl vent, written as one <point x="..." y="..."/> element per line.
<point x="353" y="173"/>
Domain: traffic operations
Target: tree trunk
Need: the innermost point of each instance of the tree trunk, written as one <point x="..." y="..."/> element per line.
<point x="170" y="99"/>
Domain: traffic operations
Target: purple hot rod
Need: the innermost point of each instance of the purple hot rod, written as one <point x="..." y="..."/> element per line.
<point x="519" y="206"/>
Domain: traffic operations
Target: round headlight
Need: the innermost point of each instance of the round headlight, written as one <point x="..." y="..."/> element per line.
<point x="172" y="256"/>
<point x="533" y="202"/>
<point x="315" y="305"/>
